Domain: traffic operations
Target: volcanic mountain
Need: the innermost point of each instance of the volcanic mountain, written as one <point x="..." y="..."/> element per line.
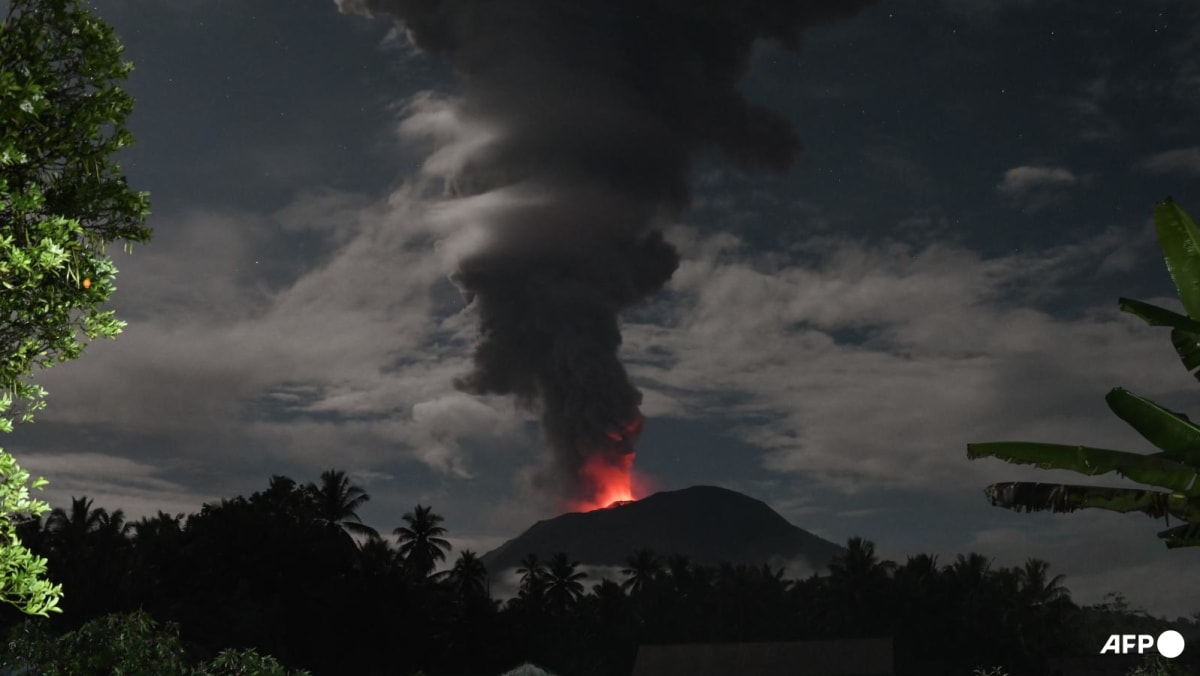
<point x="708" y="524"/>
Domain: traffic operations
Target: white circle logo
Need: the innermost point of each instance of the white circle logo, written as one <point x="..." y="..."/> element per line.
<point x="1170" y="644"/>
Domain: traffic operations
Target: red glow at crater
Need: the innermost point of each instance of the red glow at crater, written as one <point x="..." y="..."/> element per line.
<point x="608" y="477"/>
<point x="607" y="474"/>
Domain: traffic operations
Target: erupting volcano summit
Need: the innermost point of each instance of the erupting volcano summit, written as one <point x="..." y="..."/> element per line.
<point x="570" y="144"/>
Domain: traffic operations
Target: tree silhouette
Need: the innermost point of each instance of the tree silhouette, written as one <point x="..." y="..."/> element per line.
<point x="679" y="568"/>
<point x="533" y="575"/>
<point x="1037" y="590"/>
<point x="69" y="530"/>
<point x="337" y="500"/>
<point x="421" y="542"/>
<point x="563" y="586"/>
<point x="642" y="568"/>
<point x="469" y="577"/>
<point x="860" y="581"/>
<point x="377" y="557"/>
<point x="267" y="573"/>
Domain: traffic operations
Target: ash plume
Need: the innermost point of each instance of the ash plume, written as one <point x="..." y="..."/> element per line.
<point x="600" y="108"/>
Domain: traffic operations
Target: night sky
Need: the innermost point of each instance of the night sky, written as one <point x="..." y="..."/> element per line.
<point x="939" y="265"/>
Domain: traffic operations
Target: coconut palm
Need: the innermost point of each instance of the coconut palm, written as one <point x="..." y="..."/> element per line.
<point x="421" y="542"/>
<point x="859" y="584"/>
<point x="859" y="565"/>
<point x="337" y="500"/>
<point x="641" y="569"/>
<point x="563" y="586"/>
<point x="533" y="575"/>
<point x="1037" y="590"/>
<point x="113" y="524"/>
<point x="377" y="557"/>
<point x="469" y="577"/>
<point x="679" y="568"/>
<point x="69" y="530"/>
<point x="161" y="525"/>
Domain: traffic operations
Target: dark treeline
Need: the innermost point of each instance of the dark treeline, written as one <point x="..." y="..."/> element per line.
<point x="280" y="572"/>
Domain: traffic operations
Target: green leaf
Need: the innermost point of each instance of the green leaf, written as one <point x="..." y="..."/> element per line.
<point x="1037" y="497"/>
<point x="1157" y="316"/>
<point x="1187" y="346"/>
<point x="1172" y="432"/>
<point x="1180" y="242"/>
<point x="1145" y="469"/>
<point x="1187" y="535"/>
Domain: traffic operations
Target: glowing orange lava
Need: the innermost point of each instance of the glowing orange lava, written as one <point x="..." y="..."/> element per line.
<point x="608" y="476"/>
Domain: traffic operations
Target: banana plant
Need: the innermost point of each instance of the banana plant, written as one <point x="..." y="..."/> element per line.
<point x="1176" y="467"/>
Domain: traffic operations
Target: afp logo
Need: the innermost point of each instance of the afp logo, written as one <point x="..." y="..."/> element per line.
<point x="1169" y="644"/>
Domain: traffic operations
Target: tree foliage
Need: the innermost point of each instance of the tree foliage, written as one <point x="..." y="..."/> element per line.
<point x="127" y="643"/>
<point x="62" y="201"/>
<point x="270" y="574"/>
<point x="1176" y="467"/>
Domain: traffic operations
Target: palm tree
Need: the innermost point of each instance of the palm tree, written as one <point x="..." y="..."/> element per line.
<point x="161" y="525"/>
<point x="859" y="562"/>
<point x="563" y="586"/>
<point x="377" y="556"/>
<point x="918" y="584"/>
<point x="112" y="525"/>
<point x="284" y="498"/>
<point x="421" y="542"/>
<point x="469" y="576"/>
<point x="859" y="583"/>
<point x="533" y="575"/>
<point x="642" y="568"/>
<point x="337" y="500"/>
<point x="69" y="531"/>
<point x="1039" y="591"/>
<point x="970" y="572"/>
<point x="156" y="544"/>
<point x="89" y="550"/>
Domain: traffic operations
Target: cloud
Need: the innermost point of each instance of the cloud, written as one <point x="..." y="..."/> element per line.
<point x="1180" y="160"/>
<point x="137" y="488"/>
<point x="286" y="332"/>
<point x="1035" y="188"/>
<point x="873" y="367"/>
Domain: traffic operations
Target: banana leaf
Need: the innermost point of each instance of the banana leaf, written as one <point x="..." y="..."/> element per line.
<point x="1178" y="437"/>
<point x="1187" y="346"/>
<point x="1144" y="469"/>
<point x="1157" y="316"/>
<point x="1038" y="497"/>
<point x="1187" y="535"/>
<point x="1185" y="332"/>
<point x="1180" y="241"/>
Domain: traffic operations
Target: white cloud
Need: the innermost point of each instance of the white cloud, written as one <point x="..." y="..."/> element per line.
<point x="135" y="487"/>
<point x="1179" y="160"/>
<point x="352" y="338"/>
<point x="1035" y="188"/>
<point x="875" y="367"/>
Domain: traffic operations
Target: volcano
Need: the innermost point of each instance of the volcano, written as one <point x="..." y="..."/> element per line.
<point x="709" y="525"/>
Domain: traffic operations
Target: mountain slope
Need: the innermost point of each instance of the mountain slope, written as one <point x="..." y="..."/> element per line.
<point x="706" y="523"/>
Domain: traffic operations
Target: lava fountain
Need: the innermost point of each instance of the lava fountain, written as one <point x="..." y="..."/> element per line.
<point x="606" y="476"/>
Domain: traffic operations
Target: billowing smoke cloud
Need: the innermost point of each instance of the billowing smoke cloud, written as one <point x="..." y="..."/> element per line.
<point x="599" y="108"/>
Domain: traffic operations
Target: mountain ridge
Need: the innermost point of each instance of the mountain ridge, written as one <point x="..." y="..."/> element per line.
<point x="709" y="524"/>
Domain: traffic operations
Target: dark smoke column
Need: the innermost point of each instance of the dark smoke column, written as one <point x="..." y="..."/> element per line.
<point x="600" y="108"/>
